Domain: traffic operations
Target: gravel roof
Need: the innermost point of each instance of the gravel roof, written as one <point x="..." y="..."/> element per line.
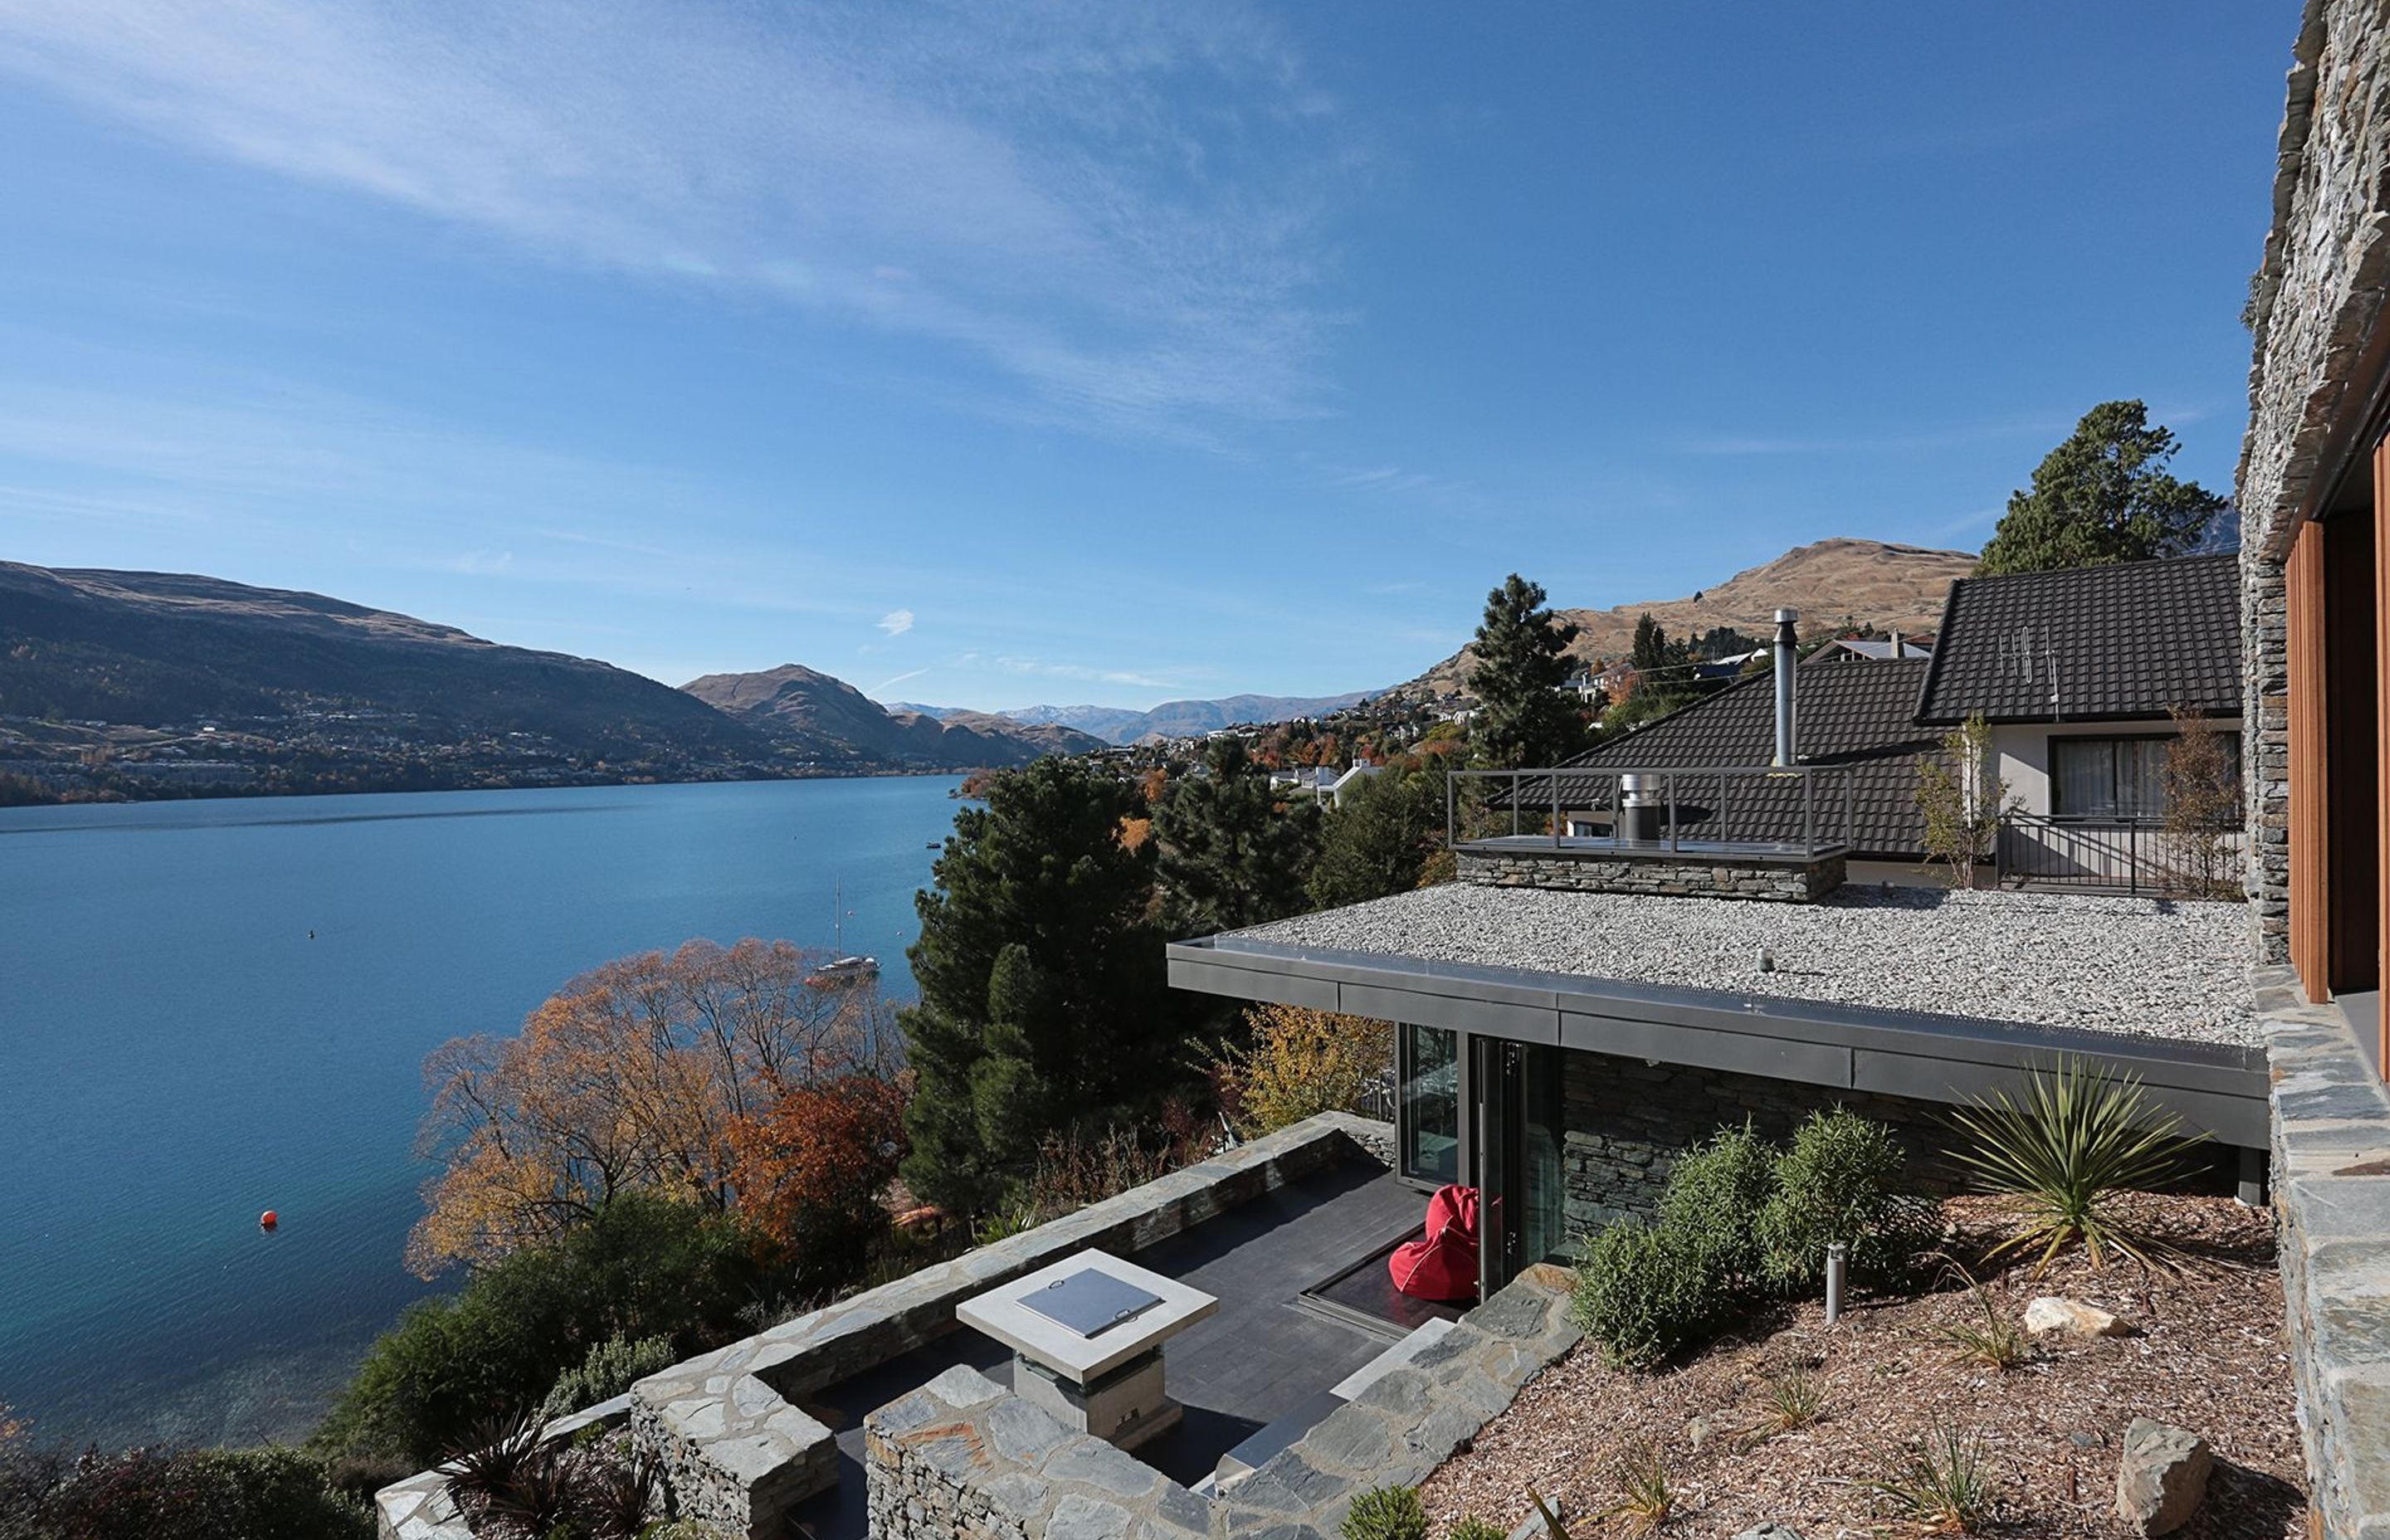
<point x="2146" y="966"/>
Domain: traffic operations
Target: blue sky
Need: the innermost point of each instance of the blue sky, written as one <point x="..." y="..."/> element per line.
<point x="1091" y="352"/>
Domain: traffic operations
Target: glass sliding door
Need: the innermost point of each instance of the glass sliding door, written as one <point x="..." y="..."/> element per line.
<point x="1429" y="1068"/>
<point x="1522" y="1188"/>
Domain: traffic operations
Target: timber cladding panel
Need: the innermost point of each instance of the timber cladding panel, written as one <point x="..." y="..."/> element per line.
<point x="2310" y="850"/>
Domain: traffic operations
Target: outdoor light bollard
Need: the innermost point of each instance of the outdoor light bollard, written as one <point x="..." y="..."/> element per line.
<point x="1837" y="1266"/>
<point x="1766" y="960"/>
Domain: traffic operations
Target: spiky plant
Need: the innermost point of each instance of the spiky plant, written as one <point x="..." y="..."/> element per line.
<point x="1987" y="1335"/>
<point x="1645" y="1500"/>
<point x="1553" y="1528"/>
<point x="494" y="1458"/>
<point x="1470" y="1527"/>
<point x="1941" y="1481"/>
<point x="621" y="1494"/>
<point x="2082" y="1134"/>
<point x="1787" y="1401"/>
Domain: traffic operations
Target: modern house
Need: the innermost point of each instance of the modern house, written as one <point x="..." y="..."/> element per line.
<point x="2078" y="673"/>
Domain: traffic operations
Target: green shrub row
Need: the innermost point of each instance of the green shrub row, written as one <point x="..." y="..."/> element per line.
<point x="1741" y="1218"/>
<point x="269" y="1494"/>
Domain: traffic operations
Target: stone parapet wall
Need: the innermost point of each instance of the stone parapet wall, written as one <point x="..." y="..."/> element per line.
<point x="963" y="1458"/>
<point x="1411" y="1419"/>
<point x="1765" y="880"/>
<point x="2332" y="1195"/>
<point x="727" y="1423"/>
<point x="2316" y="298"/>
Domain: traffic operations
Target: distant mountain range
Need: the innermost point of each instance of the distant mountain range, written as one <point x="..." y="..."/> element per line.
<point x="1828" y="581"/>
<point x="815" y="714"/>
<point x="152" y="682"/>
<point x="1171" y="719"/>
<point x="159" y="648"/>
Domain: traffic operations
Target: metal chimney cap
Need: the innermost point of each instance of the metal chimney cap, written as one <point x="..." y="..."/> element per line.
<point x="1786" y="617"/>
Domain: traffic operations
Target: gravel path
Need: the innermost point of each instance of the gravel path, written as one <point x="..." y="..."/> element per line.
<point x="2149" y="967"/>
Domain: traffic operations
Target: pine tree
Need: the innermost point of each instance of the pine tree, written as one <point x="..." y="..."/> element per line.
<point x="1232" y="853"/>
<point x="2103" y="496"/>
<point x="1523" y="717"/>
<point x="1378" y="842"/>
<point x="1044" y="1000"/>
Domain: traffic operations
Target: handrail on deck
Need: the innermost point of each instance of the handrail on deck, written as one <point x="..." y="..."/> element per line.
<point x="1605" y="789"/>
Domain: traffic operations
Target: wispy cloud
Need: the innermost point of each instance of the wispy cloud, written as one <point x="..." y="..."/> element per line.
<point x="1887" y="443"/>
<point x="481" y="563"/>
<point x="1122" y="209"/>
<point x="896" y="622"/>
<point x="1081" y="672"/>
<point x="1391" y="479"/>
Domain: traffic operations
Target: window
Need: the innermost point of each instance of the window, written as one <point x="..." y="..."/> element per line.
<point x="1431" y="1109"/>
<point x="2114" y="778"/>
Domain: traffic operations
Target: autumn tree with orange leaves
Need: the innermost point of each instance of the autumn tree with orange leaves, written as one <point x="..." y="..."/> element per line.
<point x="638" y="1074"/>
<point x="809" y="1170"/>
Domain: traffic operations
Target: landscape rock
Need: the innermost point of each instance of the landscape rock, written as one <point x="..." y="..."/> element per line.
<point x="2072" y="1318"/>
<point x="1770" y="1531"/>
<point x="2162" y="1477"/>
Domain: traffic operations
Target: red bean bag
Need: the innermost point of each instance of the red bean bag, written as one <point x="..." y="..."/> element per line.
<point x="1440" y="1265"/>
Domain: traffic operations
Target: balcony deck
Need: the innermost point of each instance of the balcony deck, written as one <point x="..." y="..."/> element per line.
<point x="1266" y="1353"/>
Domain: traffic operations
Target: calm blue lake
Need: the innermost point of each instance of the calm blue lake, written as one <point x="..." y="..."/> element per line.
<point x="177" y="1054"/>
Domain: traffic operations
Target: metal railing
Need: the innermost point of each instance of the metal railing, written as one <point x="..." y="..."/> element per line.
<point x="2131" y="855"/>
<point x="1805" y="809"/>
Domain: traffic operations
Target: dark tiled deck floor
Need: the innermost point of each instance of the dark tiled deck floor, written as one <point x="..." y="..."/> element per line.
<point x="1254" y="1362"/>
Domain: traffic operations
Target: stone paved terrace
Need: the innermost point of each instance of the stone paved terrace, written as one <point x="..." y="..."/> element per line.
<point x="1259" y="1358"/>
<point x="2154" y="968"/>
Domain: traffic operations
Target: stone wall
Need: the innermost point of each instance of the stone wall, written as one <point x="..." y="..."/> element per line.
<point x="728" y="1424"/>
<point x="2315" y="300"/>
<point x="1779" y="880"/>
<point x="962" y="1459"/>
<point x="2332" y="1195"/>
<point x="1625" y="1121"/>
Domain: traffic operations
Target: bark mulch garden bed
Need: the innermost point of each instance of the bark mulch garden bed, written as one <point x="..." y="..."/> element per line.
<point x="2206" y="1353"/>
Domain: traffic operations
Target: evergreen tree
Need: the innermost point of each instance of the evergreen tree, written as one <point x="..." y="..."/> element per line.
<point x="2103" y="496"/>
<point x="1379" y="841"/>
<point x="1232" y="854"/>
<point x="1044" y="1000"/>
<point x="1523" y="717"/>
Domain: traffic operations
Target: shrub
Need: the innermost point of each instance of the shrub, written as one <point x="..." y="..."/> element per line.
<point x="1388" y="1513"/>
<point x="645" y="1267"/>
<point x="612" y="1367"/>
<point x="1644" y="1293"/>
<point x="1716" y="1193"/>
<point x="1841" y="1181"/>
<point x="1470" y="1527"/>
<point x="2082" y="1134"/>
<point x="268" y="1493"/>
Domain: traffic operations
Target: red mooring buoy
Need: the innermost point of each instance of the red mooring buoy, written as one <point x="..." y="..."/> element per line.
<point x="267" y="1220"/>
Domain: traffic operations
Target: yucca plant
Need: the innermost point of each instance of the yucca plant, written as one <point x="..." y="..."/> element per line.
<point x="1645" y="1500"/>
<point x="1553" y="1528"/>
<point x="2082" y="1134"/>
<point x="1941" y="1481"/>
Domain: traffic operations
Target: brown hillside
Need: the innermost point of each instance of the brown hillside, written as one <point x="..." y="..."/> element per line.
<point x="1828" y="581"/>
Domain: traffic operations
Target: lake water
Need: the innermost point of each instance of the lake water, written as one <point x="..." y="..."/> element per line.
<point x="177" y="1054"/>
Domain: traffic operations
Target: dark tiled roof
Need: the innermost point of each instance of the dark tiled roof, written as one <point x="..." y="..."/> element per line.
<point x="2127" y="641"/>
<point x="1852" y="713"/>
